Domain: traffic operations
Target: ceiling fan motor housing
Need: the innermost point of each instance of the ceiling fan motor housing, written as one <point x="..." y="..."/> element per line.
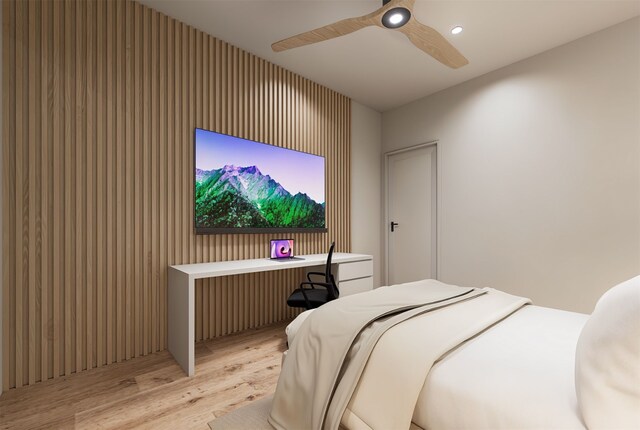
<point x="396" y="17"/>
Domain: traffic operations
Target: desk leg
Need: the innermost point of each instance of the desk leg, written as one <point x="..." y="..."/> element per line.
<point x="181" y="319"/>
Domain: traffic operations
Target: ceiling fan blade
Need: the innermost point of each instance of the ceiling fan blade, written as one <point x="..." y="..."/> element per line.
<point x="321" y="34"/>
<point x="433" y="43"/>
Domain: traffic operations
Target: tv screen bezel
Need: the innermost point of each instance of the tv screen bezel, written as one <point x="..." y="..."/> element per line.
<point x="253" y="230"/>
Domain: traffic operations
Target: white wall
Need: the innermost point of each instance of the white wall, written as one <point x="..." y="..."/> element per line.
<point x="540" y="170"/>
<point x="366" y="180"/>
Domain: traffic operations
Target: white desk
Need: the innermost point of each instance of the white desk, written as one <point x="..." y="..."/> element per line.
<point x="353" y="275"/>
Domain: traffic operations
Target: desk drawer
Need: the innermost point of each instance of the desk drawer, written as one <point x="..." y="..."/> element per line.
<point x="355" y="286"/>
<point x="357" y="269"/>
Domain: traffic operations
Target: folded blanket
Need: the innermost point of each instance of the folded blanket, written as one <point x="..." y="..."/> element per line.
<point x="333" y="370"/>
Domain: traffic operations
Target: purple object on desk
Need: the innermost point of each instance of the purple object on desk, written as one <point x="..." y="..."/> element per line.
<point x="282" y="248"/>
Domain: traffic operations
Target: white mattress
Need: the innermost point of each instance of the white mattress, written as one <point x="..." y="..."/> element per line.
<point x="517" y="375"/>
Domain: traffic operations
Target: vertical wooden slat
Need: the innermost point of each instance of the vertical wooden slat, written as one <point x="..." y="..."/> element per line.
<point x="171" y="87"/>
<point x="79" y="121"/>
<point x="128" y="149"/>
<point x="57" y="224"/>
<point x="44" y="185"/>
<point x="69" y="218"/>
<point x="8" y="193"/>
<point x="202" y="89"/>
<point x="90" y="193"/>
<point x="188" y="147"/>
<point x="193" y="88"/>
<point x="175" y="168"/>
<point x="137" y="158"/>
<point x="162" y="252"/>
<point x="30" y="189"/>
<point x="177" y="133"/>
<point x="101" y="95"/>
<point x="183" y="217"/>
<point x="145" y="177"/>
<point x="20" y="249"/>
<point x="110" y="148"/>
<point x="168" y="208"/>
<point x="151" y="261"/>
<point x="120" y="144"/>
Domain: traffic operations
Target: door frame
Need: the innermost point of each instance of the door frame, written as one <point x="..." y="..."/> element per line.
<point x="436" y="266"/>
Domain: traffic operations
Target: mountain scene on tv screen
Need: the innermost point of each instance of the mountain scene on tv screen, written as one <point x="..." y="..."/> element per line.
<point x="232" y="197"/>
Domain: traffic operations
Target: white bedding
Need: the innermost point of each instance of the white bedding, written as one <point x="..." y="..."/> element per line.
<point x="518" y="374"/>
<point x="338" y="363"/>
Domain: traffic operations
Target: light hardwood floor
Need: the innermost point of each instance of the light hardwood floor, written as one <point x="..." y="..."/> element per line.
<point x="152" y="391"/>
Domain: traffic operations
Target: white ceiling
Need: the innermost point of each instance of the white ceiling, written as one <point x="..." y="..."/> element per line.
<point x="381" y="68"/>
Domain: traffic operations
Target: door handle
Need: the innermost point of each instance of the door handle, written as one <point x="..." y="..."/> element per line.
<point x="393" y="226"/>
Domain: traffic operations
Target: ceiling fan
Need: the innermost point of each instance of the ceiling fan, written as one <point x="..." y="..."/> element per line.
<point x="394" y="15"/>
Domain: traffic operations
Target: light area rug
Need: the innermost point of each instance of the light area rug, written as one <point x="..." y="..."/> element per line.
<point x="252" y="416"/>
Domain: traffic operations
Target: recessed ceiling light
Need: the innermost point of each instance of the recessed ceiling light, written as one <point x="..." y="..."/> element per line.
<point x="456" y="30"/>
<point x="396" y="17"/>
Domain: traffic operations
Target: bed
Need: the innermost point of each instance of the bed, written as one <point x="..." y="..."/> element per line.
<point x="529" y="367"/>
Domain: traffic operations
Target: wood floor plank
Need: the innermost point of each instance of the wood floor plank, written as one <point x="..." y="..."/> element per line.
<point x="152" y="391"/>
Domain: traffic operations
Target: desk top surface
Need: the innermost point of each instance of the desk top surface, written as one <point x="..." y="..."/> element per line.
<point x="236" y="267"/>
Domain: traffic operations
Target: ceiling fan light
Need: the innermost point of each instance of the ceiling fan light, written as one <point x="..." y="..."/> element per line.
<point x="456" y="30"/>
<point x="396" y="17"/>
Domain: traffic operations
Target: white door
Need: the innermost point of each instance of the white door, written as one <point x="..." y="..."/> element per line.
<point x="411" y="215"/>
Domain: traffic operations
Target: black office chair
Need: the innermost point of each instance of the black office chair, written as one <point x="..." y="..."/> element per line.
<point x="310" y="297"/>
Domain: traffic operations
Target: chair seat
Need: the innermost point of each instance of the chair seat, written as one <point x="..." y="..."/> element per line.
<point x="317" y="292"/>
<point x="316" y="296"/>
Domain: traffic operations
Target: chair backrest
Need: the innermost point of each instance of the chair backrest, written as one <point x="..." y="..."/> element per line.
<point x="327" y="270"/>
<point x="328" y="276"/>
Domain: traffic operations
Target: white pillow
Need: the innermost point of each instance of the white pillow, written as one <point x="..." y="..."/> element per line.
<point x="294" y="325"/>
<point x="608" y="360"/>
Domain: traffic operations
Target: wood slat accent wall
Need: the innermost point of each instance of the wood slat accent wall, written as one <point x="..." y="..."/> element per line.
<point x="100" y="102"/>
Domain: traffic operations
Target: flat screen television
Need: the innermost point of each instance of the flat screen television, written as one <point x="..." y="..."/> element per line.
<point x="242" y="186"/>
